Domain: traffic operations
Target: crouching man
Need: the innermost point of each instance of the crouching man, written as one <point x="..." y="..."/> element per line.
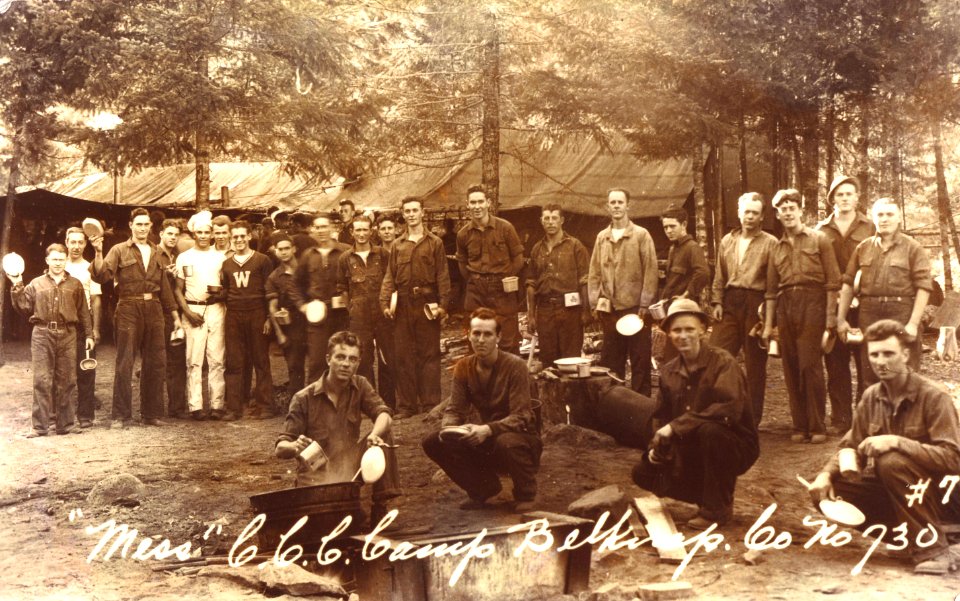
<point x="497" y="384"/>
<point x="329" y="411"/>
<point x="904" y="431"/>
<point x="708" y="436"/>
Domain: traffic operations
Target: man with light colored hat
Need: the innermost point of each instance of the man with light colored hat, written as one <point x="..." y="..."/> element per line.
<point x="846" y="228"/>
<point x="706" y="436"/>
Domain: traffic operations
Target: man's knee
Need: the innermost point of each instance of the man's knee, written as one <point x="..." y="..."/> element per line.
<point x="894" y="465"/>
<point x="432" y="445"/>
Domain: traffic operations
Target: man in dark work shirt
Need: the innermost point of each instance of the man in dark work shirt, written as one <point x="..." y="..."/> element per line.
<point x="497" y="384"/>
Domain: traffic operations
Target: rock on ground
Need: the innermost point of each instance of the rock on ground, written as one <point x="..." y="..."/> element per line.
<point x="112" y="489"/>
<point x="575" y="436"/>
<point x="594" y="503"/>
<point x="298" y="582"/>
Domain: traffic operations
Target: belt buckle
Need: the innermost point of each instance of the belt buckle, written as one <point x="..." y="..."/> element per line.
<point x="147" y="296"/>
<point x="53" y="326"/>
<point x="416" y="290"/>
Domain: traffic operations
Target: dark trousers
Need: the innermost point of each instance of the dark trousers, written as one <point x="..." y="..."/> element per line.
<point x="839" y="385"/>
<point x="559" y="331"/>
<point x="704" y="469"/>
<point x="86" y="383"/>
<point x="416" y="356"/>
<point x="386" y="360"/>
<point x="139" y="327"/>
<point x="474" y="469"/>
<point x="375" y="331"/>
<point x="176" y="373"/>
<point x="872" y="311"/>
<point x="617" y="348"/>
<point x="731" y="334"/>
<point x="801" y="319"/>
<point x="488" y="292"/>
<point x="295" y="352"/>
<point x="244" y="334"/>
<point x="54" y="355"/>
<point x="883" y="501"/>
<point x="318" y="335"/>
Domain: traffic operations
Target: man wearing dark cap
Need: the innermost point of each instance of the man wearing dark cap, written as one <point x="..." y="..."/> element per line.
<point x="706" y="436"/>
<point x="846" y="227"/>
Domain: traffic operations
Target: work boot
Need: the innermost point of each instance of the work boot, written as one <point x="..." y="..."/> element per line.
<point x="229" y="416"/>
<point x="940" y="565"/>
<point x="472" y="504"/>
<point x="525" y="506"/>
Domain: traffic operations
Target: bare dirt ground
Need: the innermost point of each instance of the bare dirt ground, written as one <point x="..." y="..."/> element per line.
<point x="198" y="473"/>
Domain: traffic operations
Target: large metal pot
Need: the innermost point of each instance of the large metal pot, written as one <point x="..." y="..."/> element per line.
<point x="325" y="505"/>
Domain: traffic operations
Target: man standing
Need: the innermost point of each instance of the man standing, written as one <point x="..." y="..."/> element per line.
<point x="292" y="337"/>
<point x="203" y="317"/>
<point x="687" y="271"/>
<point x="316" y="279"/>
<point x="497" y="385"/>
<point x="708" y="436"/>
<point x="176" y="353"/>
<point x="387" y="230"/>
<point x="79" y="268"/>
<point x="802" y="283"/>
<point x="221" y="235"/>
<point x="347" y="212"/>
<point x="557" y="289"/>
<point x="56" y="306"/>
<point x="417" y="272"/>
<point x="906" y="426"/>
<point x="846" y="228"/>
<point x="488" y="250"/>
<point x="622" y="280"/>
<point x="739" y="287"/>
<point x="360" y="277"/>
<point x="144" y="297"/>
<point x="244" y="277"/>
<point x="329" y="411"/>
<point x="895" y="281"/>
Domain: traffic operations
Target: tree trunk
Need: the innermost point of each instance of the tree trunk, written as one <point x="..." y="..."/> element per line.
<point x="773" y="139"/>
<point x="201" y="153"/>
<point x="12" y="181"/>
<point x="829" y="131"/>
<point x="943" y="206"/>
<point x="863" y="151"/>
<point x="490" y="95"/>
<point x="810" y="165"/>
<point x="710" y="195"/>
<point x="742" y="154"/>
<point x="702" y="217"/>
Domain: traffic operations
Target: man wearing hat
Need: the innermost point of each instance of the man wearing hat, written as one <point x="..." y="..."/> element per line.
<point x="203" y="317"/>
<point x="738" y="292"/>
<point x="895" y="281"/>
<point x="802" y="283"/>
<point x="846" y="228"/>
<point x="706" y="436"/>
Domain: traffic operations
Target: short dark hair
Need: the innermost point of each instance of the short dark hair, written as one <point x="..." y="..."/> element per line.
<point x="387" y="217"/>
<point x="138" y="212"/>
<point x="788" y="195"/>
<point x="267" y="222"/>
<point x="408" y="199"/>
<point x="551" y="207"/>
<point x="282" y="237"/>
<point x="485" y="314"/>
<point x="347" y="201"/>
<point x="678" y="214"/>
<point x="477" y="188"/>
<point x="241" y="224"/>
<point x="624" y="190"/>
<point x="171" y="223"/>
<point x="343" y="338"/>
<point x="55" y="247"/>
<point x="220" y="220"/>
<point x="885" y="328"/>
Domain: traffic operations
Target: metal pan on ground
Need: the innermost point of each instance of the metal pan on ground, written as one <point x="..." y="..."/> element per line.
<point x="629" y="325"/>
<point x="316" y="311"/>
<point x="842" y="512"/>
<point x="92" y="228"/>
<point x="451" y="433"/>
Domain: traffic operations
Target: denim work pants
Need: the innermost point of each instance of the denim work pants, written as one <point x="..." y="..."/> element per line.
<point x="801" y="320"/>
<point x="86" y="383"/>
<point x="244" y="337"/>
<point x="139" y="330"/>
<point x="416" y="356"/>
<point x="731" y="334"/>
<point x="617" y="348"/>
<point x="54" y="355"/>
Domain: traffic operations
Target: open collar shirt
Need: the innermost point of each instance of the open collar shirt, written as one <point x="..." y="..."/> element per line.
<point x="623" y="271"/>
<point x="420" y="264"/>
<point x="687" y="270"/>
<point x="805" y="261"/>
<point x="503" y="403"/>
<point x="899" y="270"/>
<point x="845" y="244"/>
<point x="558" y="270"/>
<point x="749" y="273"/>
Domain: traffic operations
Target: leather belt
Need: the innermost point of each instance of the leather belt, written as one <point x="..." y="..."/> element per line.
<point x="421" y="290"/>
<point x="488" y="276"/>
<point x="53" y="326"/>
<point x="550" y="300"/>
<point x="206" y="302"/>
<point x="886" y="299"/>
<point x="146" y="296"/>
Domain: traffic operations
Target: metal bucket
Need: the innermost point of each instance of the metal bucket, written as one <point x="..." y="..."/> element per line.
<point x="325" y="505"/>
<point x="625" y="415"/>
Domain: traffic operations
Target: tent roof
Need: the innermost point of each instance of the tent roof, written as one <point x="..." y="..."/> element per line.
<point x="574" y="173"/>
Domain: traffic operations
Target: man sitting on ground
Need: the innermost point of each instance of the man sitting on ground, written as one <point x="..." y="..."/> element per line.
<point x="708" y="436"/>
<point x="497" y="384"/>
<point x="906" y="426"/>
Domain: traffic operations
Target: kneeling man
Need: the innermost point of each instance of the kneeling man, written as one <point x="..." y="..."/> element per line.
<point x="906" y="427"/>
<point x="497" y="384"/>
<point x="708" y="436"/>
<point x="329" y="411"/>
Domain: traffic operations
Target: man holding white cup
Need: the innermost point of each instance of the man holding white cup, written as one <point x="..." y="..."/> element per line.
<point x="490" y="257"/>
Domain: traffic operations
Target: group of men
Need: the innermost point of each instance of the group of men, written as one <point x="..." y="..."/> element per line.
<point x="383" y="305"/>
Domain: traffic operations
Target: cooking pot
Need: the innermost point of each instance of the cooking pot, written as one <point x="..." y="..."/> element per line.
<point x="569" y="365"/>
<point x="325" y="505"/>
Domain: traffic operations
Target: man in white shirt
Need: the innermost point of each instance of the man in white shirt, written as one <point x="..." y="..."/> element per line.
<point x="79" y="268"/>
<point x="203" y="318"/>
